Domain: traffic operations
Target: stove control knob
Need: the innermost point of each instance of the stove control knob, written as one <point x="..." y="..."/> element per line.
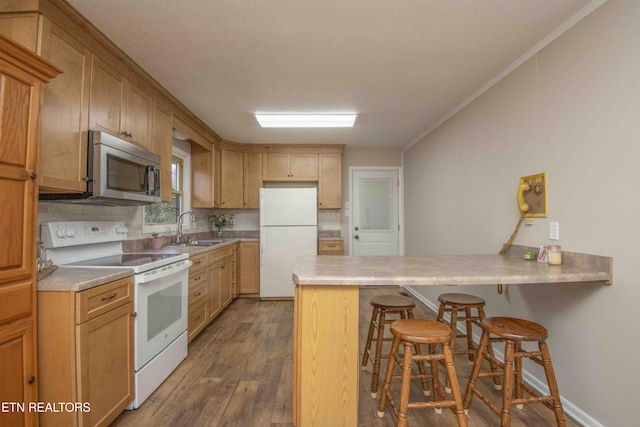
<point x="60" y="233"/>
<point x="70" y="232"/>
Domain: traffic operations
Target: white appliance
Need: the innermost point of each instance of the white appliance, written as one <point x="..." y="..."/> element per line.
<point x="160" y="292"/>
<point x="288" y="230"/>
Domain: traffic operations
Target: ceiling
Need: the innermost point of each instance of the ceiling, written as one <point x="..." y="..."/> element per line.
<point x="401" y="65"/>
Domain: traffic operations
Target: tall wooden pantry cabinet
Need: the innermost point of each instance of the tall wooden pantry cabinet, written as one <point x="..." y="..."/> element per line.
<point x="22" y="78"/>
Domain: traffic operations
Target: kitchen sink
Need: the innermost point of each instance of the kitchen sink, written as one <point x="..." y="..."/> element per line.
<point x="199" y="243"/>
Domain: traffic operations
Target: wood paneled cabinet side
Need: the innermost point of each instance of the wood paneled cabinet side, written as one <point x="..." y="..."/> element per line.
<point x="86" y="352"/>
<point x="249" y="268"/>
<point x="65" y="113"/>
<point x="231" y="179"/>
<point x="161" y="144"/>
<point x="330" y="181"/>
<point x="252" y="180"/>
<point x="118" y="106"/>
<point x="22" y="75"/>
<point x="290" y="167"/>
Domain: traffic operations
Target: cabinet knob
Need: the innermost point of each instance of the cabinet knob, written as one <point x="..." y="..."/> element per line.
<point x="33" y="175"/>
<point x="31" y="379"/>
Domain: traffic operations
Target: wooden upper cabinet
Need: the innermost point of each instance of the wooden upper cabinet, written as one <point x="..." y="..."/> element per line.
<point x="330" y="181"/>
<point x="65" y="113"/>
<point x="118" y="106"/>
<point x="231" y="179"/>
<point x="290" y="167"/>
<point x="161" y="144"/>
<point x="252" y="180"/>
<point x="202" y="177"/>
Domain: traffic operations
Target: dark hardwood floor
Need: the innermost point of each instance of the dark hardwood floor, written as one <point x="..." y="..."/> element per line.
<point x="239" y="373"/>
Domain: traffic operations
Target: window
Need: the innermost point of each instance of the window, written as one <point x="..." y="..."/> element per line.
<point x="162" y="217"/>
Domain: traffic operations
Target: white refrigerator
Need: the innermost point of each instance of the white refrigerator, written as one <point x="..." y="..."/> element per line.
<point x="288" y="230"/>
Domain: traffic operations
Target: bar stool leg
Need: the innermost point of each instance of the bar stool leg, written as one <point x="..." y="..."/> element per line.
<point x="376" y="361"/>
<point x="471" y="385"/>
<point x="505" y="415"/>
<point x="386" y="386"/>
<point x="494" y="368"/>
<point x="518" y="374"/>
<point x="467" y="313"/>
<point x="423" y="371"/>
<point x="367" y="347"/>
<point x="455" y="387"/>
<point x="407" y="363"/>
<point x="553" y="385"/>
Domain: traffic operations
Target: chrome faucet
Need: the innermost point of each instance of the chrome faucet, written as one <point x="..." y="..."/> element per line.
<point x="179" y="232"/>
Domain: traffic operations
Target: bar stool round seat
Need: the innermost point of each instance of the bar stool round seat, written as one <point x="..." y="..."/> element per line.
<point x="411" y="334"/>
<point x="383" y="305"/>
<point x="513" y="332"/>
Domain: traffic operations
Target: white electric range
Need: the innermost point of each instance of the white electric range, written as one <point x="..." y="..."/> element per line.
<point x="160" y="292"/>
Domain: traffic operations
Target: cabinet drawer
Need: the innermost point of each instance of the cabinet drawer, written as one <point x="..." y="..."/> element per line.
<point x="198" y="277"/>
<point x="101" y="299"/>
<point x="198" y="261"/>
<point x="199" y="290"/>
<point x="198" y="318"/>
<point x="331" y="247"/>
<point x="218" y="254"/>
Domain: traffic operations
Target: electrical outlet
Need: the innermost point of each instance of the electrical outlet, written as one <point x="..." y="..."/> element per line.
<point x="554" y="231"/>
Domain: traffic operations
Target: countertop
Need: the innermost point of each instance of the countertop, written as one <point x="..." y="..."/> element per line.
<point x="449" y="270"/>
<point x="74" y="279"/>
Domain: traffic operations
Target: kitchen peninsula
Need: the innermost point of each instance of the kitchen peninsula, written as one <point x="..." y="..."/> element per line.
<point x="326" y="313"/>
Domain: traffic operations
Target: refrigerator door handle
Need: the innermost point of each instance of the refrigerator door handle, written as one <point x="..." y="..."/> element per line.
<point x="262" y="251"/>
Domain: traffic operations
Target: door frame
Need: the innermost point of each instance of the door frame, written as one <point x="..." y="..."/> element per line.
<point x="349" y="210"/>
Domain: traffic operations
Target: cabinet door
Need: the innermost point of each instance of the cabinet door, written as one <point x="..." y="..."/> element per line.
<point x="161" y="142"/>
<point x="330" y="181"/>
<point x="202" y="176"/>
<point x="231" y="179"/>
<point x="137" y="114"/>
<point x="304" y="167"/>
<point x="252" y="180"/>
<point x="107" y="90"/>
<point x="17" y="370"/>
<point x="249" y="268"/>
<point x="65" y="113"/>
<point x="19" y="108"/>
<point x="105" y="356"/>
<point x="276" y="167"/>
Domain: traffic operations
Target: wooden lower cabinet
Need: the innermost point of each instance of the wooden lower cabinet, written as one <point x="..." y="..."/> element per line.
<point x="249" y="268"/>
<point x="17" y="371"/>
<point x="331" y="247"/>
<point x="85" y="353"/>
<point x="211" y="286"/>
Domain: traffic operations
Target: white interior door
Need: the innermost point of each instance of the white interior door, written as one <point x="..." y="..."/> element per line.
<point x="375" y="210"/>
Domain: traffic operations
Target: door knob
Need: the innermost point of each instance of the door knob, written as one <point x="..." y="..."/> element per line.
<point x="357" y="229"/>
<point x="356" y="237"/>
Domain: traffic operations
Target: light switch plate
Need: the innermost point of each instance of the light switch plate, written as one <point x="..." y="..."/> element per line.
<point x="554" y="231"/>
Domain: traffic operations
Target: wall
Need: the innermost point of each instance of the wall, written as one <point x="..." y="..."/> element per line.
<point x="573" y="111"/>
<point x="362" y="157"/>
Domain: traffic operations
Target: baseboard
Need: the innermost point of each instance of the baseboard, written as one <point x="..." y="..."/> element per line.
<point x="577" y="414"/>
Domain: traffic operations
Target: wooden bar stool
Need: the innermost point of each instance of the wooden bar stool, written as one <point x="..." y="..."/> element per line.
<point x="382" y="306"/>
<point x="455" y="303"/>
<point x="513" y="332"/>
<point x="412" y="333"/>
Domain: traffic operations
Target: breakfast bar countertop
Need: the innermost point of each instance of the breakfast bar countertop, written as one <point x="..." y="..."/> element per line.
<point x="487" y="269"/>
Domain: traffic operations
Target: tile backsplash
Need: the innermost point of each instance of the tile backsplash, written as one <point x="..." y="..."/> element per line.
<point x="244" y="220"/>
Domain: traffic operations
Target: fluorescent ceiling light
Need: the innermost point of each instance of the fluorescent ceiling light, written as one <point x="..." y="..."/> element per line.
<point x="306" y="120"/>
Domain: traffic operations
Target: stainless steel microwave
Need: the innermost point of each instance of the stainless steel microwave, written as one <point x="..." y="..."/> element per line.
<point x="118" y="173"/>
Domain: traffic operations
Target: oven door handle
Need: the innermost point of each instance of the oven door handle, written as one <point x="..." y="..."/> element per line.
<point x="160" y="272"/>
